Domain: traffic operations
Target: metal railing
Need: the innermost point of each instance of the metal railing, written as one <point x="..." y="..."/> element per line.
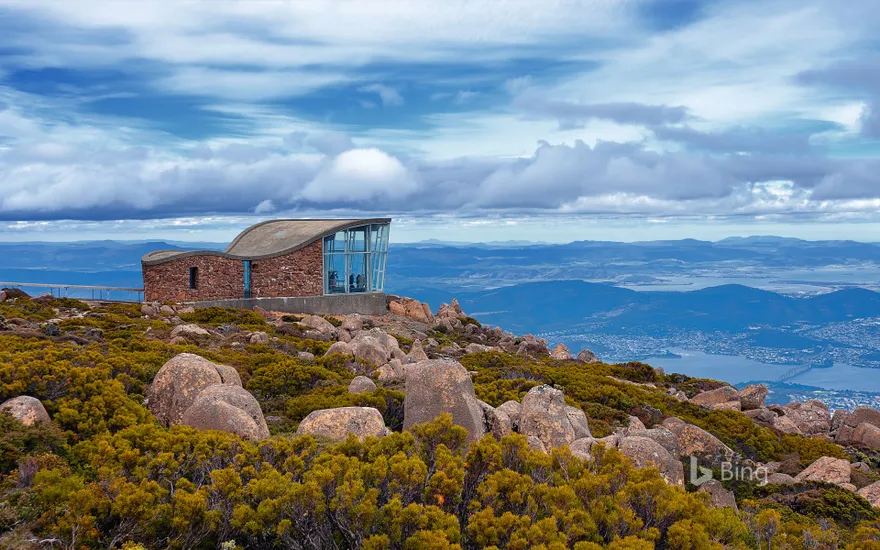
<point x="84" y="292"/>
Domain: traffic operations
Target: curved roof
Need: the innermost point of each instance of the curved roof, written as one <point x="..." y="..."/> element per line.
<point x="267" y="239"/>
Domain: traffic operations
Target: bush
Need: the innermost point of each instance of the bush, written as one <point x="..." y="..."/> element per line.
<point x="216" y="316"/>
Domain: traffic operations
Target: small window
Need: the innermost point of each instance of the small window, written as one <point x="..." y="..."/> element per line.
<point x="194" y="278"/>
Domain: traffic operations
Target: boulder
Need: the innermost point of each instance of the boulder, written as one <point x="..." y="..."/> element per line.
<point x="149" y="310"/>
<point x="319" y="323"/>
<point x="343" y="348"/>
<point x="337" y="423"/>
<point x="228" y="375"/>
<point x="3" y="296"/>
<point x="512" y="410"/>
<point x="416" y="353"/>
<point x="178" y="383"/>
<point x="826" y="469"/>
<point x="561" y="353"/>
<point x="645" y="452"/>
<point x="785" y="425"/>
<point x="762" y="415"/>
<point x="476" y="348"/>
<point x="305" y="356"/>
<point x="866" y="435"/>
<point x="579" y="422"/>
<point x="497" y="422"/>
<point x="532" y="347"/>
<point x="536" y="444"/>
<point x="390" y="371"/>
<point x="863" y="414"/>
<point x="26" y="409"/>
<point x="166" y="310"/>
<point x="361" y="384"/>
<point x="189" y="330"/>
<point x="780" y="479"/>
<point x="727" y="406"/>
<point x="871" y="493"/>
<point x="369" y="349"/>
<point x="413" y="309"/>
<point x="811" y="417"/>
<point x="587" y="356"/>
<point x="719" y="497"/>
<point x="440" y="386"/>
<point x="848" y="487"/>
<point x="185" y="310"/>
<point x="709" y="398"/>
<point x="695" y="441"/>
<point x="753" y="397"/>
<point x="353" y="323"/>
<point x="544" y="414"/>
<point x="259" y="338"/>
<point x="227" y="408"/>
<point x="582" y="448"/>
<point x="635" y="424"/>
<point x="661" y="435"/>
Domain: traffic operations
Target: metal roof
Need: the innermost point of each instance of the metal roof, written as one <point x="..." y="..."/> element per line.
<point x="268" y="239"/>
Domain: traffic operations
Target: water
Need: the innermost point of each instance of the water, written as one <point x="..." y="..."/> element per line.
<point x="735" y="370"/>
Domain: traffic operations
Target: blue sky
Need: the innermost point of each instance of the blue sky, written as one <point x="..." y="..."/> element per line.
<point x="476" y="120"/>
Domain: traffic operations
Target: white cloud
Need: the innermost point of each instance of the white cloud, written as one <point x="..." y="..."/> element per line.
<point x="360" y="175"/>
<point x="388" y="95"/>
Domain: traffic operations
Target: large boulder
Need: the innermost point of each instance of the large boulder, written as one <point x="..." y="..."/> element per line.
<point x="561" y="353"/>
<point x="753" y="397"/>
<point x="717" y="398"/>
<point x="719" y="497"/>
<point x="361" y="384"/>
<point x="337" y="423"/>
<point x="864" y="414"/>
<point x="780" y="479"/>
<point x="227" y="408"/>
<point x="661" y="435"/>
<point x="811" y="417"/>
<point x="826" y="469"/>
<point x="496" y="421"/>
<point x="178" y="383"/>
<point x="533" y="347"/>
<point x="320" y="324"/>
<point x="695" y="441"/>
<point x="866" y="435"/>
<point x="512" y="409"/>
<point x="369" y="349"/>
<point x="544" y="414"/>
<point x="587" y="356"/>
<point x="786" y="425"/>
<point x="582" y="448"/>
<point x="645" y="452"/>
<point x="190" y="330"/>
<point x="416" y="353"/>
<point x="413" y="309"/>
<point x="579" y="422"/>
<point x="762" y="415"/>
<point x="26" y="409"/>
<point x="871" y="493"/>
<point x="440" y="386"/>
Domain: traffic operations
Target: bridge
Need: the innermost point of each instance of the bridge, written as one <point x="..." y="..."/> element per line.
<point x="793" y="372"/>
<point x="83" y="292"/>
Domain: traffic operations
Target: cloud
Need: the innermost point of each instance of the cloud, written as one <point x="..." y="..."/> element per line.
<point x="360" y="176"/>
<point x="388" y="95"/>
<point x="265" y="207"/>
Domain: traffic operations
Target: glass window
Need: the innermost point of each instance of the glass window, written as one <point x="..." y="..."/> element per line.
<point x="354" y="260"/>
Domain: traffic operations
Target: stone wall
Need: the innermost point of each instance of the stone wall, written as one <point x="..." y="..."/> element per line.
<point x="296" y="274"/>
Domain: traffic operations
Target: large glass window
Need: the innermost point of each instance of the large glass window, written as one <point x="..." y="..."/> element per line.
<point x="354" y="260"/>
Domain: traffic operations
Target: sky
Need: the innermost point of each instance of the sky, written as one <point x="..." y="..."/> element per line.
<point x="463" y="120"/>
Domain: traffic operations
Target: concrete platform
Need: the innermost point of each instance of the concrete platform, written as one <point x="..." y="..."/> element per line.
<point x="368" y="303"/>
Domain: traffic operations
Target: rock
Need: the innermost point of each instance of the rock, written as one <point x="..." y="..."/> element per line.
<point x="476" y="348"/>
<point x="719" y="497"/>
<point x="497" y="422"/>
<point x="185" y="310"/>
<point x="727" y="406"/>
<point x="227" y="408"/>
<point x="535" y="444"/>
<point x="587" y="356"/>
<point x="149" y="310"/>
<point x="361" y="384"/>
<point x="866" y="435"/>
<point x="337" y="423"/>
<point x="695" y="441"/>
<point x="811" y="417"/>
<point x="786" y="425"/>
<point x="353" y="323"/>
<point x="827" y="469"/>
<point x="848" y="487"/>
<point x="189" y="330"/>
<point x="259" y="338"/>
<point x="319" y="323"/>
<point x="390" y="371"/>
<point x="3" y="296"/>
<point x="634" y="425"/>
<point x="723" y="394"/>
<point x="228" y="375"/>
<point x="343" y="348"/>
<point x="645" y="452"/>
<point x="579" y="422"/>
<point x="561" y="353"/>
<point x="582" y="448"/>
<point x="860" y="466"/>
<point x="166" y="310"/>
<point x="50" y="329"/>
<point x="178" y="383"/>
<point x="780" y="479"/>
<point x="544" y="414"/>
<point x="762" y="415"/>
<point x="440" y="386"/>
<point x="871" y="493"/>
<point x="752" y="397"/>
<point x="369" y="349"/>
<point x="533" y="347"/>
<point x="26" y="409"/>
<point x="409" y="307"/>
<point x="661" y="435"/>
<point x="863" y="414"/>
<point x="305" y="356"/>
<point x="178" y="341"/>
<point x="416" y="353"/>
<point x="512" y="410"/>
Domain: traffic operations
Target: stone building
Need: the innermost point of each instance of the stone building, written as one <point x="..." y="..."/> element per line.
<point x="303" y="266"/>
